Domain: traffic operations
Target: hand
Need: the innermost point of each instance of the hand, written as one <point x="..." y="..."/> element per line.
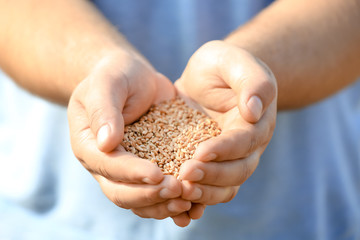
<point x="240" y="92"/>
<point x="118" y="91"/>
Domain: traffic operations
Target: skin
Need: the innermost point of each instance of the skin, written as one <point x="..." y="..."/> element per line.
<point x="312" y="58"/>
<point x="96" y="68"/>
<point x="223" y="90"/>
<point x="110" y="84"/>
<point x="312" y="47"/>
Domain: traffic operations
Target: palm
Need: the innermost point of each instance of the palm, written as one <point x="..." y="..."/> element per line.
<point x="115" y="94"/>
<point x="222" y="80"/>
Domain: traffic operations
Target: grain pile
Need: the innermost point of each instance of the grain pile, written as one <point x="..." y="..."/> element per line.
<point x="168" y="134"/>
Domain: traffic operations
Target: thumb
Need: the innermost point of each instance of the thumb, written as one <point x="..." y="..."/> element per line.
<point x="110" y="134"/>
<point x="253" y="82"/>
<point x="165" y="90"/>
<point x="104" y="104"/>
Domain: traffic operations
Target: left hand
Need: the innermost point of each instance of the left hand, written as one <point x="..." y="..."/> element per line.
<point x="240" y="92"/>
<point x="118" y="90"/>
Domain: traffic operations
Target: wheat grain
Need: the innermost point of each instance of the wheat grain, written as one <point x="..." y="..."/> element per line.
<point x="168" y="134"/>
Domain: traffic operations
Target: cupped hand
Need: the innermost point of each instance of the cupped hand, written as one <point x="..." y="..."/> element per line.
<point x="119" y="89"/>
<point x="240" y="92"/>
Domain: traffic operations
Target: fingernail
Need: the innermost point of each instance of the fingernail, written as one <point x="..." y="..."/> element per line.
<point x="172" y="207"/>
<point x="255" y="106"/>
<point x="103" y="134"/>
<point x="195" y="195"/>
<point x="148" y="181"/>
<point x="209" y="157"/>
<point x="195" y="175"/>
<point x="166" y="193"/>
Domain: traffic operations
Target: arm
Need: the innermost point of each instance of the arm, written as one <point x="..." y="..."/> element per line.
<point x="48" y="47"/>
<point x="312" y="47"/>
<point x="64" y="48"/>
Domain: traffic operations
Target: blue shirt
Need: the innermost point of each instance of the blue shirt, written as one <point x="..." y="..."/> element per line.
<point x="307" y="184"/>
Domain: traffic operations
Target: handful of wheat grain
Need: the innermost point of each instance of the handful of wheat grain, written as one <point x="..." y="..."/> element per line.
<point x="168" y="134"/>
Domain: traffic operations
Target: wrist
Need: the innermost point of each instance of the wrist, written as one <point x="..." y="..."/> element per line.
<point x="121" y="58"/>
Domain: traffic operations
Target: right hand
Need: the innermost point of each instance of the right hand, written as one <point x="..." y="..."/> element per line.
<point x="239" y="91"/>
<point x="119" y="89"/>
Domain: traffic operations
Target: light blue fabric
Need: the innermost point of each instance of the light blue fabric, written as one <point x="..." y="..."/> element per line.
<point x="168" y="32"/>
<point x="307" y="185"/>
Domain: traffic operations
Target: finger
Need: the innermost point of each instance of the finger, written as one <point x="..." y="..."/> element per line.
<point x="104" y="102"/>
<point x="200" y="82"/>
<point x="118" y="165"/>
<point x="196" y="211"/>
<point x="165" y="89"/>
<point x="233" y="144"/>
<point x="226" y="173"/>
<point x="251" y="79"/>
<point x="115" y="96"/>
<point x="238" y="138"/>
<point x="152" y="87"/>
<point x="169" y="208"/>
<point x="206" y="194"/>
<point x="231" y="75"/>
<point x="128" y="196"/>
<point x="182" y="220"/>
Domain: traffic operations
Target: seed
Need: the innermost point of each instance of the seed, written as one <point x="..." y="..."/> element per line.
<point x="168" y="134"/>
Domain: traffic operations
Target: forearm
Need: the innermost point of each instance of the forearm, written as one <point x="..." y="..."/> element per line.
<point x="311" y="46"/>
<point x="48" y="47"/>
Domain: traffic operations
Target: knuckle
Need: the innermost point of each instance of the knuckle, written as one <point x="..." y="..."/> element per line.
<point x="78" y="142"/>
<point x="101" y="115"/>
<point x="151" y="197"/>
<point x="252" y="143"/>
<point x="150" y="212"/>
<point x="245" y="168"/>
<point x="207" y="197"/>
<point x="231" y="194"/>
<point x="139" y="213"/>
<point x="212" y="48"/>
<point x="102" y="170"/>
<point x="214" y="173"/>
<point x="246" y="173"/>
<point x="161" y="215"/>
<point x="118" y="201"/>
<point x="85" y="165"/>
<point x="240" y="179"/>
<point x="95" y="116"/>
